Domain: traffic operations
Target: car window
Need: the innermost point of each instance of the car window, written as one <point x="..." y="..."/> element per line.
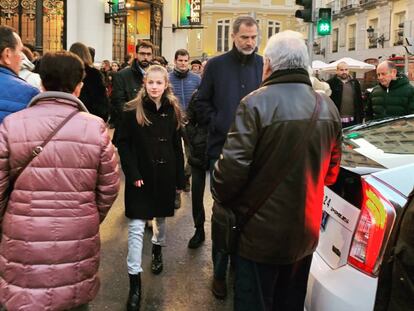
<point x="393" y="137"/>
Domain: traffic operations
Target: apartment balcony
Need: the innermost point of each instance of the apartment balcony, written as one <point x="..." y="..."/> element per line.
<point x="373" y="41"/>
<point x="350" y="8"/>
<point x="398" y="37"/>
<point x="351" y="44"/>
<point x="335" y="7"/>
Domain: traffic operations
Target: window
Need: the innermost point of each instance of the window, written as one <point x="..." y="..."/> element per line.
<point x="351" y="37"/>
<point x="335" y="40"/>
<point x="399" y="20"/>
<point x="223" y="35"/>
<point x="273" y="27"/>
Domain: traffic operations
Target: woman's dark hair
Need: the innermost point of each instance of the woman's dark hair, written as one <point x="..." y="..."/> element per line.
<point x="61" y="71"/>
<point x="82" y="51"/>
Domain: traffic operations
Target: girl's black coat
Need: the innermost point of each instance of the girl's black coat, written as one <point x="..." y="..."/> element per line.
<point x="154" y="154"/>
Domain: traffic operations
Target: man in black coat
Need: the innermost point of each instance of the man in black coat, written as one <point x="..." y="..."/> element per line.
<point x="346" y="94"/>
<point x="127" y="82"/>
<point x="226" y="80"/>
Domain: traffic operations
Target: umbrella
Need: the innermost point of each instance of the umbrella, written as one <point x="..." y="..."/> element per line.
<point x="318" y="65"/>
<point x="353" y="64"/>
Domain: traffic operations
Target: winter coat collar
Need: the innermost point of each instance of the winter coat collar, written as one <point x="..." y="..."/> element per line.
<point x="8" y="71"/>
<point x="242" y="58"/>
<point x="180" y="74"/>
<point x="60" y="97"/>
<point x="299" y="75"/>
<point x="149" y="104"/>
<point x="401" y="80"/>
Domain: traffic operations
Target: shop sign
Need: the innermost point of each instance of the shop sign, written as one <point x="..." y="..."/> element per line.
<point x="190" y="12"/>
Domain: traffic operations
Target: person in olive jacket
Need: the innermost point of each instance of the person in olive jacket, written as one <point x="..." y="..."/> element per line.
<point x="396" y="279"/>
<point x="150" y="149"/>
<point x="393" y="96"/>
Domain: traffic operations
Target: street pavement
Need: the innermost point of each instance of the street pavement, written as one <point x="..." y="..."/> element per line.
<point x="184" y="284"/>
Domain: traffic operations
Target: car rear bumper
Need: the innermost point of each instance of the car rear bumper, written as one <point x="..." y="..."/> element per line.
<point x="342" y="289"/>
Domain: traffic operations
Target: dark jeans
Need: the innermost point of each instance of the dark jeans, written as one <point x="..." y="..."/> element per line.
<point x="220" y="259"/>
<point x="265" y="287"/>
<point x="197" y="195"/>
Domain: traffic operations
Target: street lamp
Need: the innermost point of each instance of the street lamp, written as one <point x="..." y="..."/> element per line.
<point x="373" y="40"/>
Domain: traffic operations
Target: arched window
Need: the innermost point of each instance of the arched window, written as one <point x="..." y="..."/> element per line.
<point x="223" y="35"/>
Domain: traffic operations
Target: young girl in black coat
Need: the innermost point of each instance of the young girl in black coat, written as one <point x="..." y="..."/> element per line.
<point x="151" y="154"/>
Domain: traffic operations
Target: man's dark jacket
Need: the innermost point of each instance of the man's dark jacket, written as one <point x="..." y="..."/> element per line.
<point x="268" y="124"/>
<point x="226" y="80"/>
<point x="396" y="280"/>
<point x="396" y="100"/>
<point x="125" y="85"/>
<point x="337" y="86"/>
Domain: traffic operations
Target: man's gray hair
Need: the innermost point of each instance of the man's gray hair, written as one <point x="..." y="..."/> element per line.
<point x="244" y="20"/>
<point x="287" y="50"/>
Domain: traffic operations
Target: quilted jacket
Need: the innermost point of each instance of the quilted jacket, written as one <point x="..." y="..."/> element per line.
<point x="49" y="251"/>
<point x="15" y="93"/>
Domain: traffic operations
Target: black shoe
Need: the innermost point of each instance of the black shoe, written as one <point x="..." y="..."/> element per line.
<point x="156" y="264"/>
<point x="177" y="202"/>
<point x="219" y="288"/>
<point x="197" y="239"/>
<point x="134" y="297"/>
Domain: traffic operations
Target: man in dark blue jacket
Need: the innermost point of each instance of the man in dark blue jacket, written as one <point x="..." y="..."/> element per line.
<point x="184" y="83"/>
<point x="227" y="79"/>
<point x="15" y="93"/>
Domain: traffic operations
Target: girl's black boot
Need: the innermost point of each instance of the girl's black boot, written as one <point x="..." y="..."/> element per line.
<point x="134" y="297"/>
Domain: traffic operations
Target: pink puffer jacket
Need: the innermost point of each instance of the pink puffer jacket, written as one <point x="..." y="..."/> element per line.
<point x="49" y="251"/>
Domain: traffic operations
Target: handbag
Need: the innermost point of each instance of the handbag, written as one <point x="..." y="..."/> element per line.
<point x="35" y="152"/>
<point x="227" y="225"/>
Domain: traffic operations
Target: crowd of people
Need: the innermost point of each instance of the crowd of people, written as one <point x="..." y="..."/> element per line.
<point x="267" y="131"/>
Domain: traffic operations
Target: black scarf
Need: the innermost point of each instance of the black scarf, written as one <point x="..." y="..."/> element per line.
<point x="180" y="74"/>
<point x="243" y="58"/>
<point x="298" y="75"/>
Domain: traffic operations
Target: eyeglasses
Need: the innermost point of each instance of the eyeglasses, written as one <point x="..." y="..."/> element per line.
<point x="144" y="54"/>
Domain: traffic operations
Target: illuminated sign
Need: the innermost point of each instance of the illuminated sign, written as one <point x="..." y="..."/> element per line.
<point x="190" y="12"/>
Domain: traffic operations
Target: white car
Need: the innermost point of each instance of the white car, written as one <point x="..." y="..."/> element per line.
<point x="377" y="175"/>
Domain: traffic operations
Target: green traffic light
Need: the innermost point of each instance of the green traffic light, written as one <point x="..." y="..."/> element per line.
<point x="324" y="27"/>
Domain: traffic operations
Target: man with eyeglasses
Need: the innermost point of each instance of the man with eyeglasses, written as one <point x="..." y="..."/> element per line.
<point x="127" y="82"/>
<point x="15" y="93"/>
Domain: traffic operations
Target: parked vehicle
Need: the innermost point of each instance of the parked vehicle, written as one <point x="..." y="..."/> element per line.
<point x="376" y="177"/>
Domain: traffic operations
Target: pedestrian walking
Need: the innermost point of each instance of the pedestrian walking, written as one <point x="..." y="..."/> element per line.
<point x="127" y="82"/>
<point x="150" y="149"/>
<point x="183" y="83"/>
<point x="393" y="96"/>
<point x="15" y="93"/>
<point x="282" y="148"/>
<point x="64" y="175"/>
<point x="226" y="80"/>
<point x="93" y="93"/>
<point x="347" y="96"/>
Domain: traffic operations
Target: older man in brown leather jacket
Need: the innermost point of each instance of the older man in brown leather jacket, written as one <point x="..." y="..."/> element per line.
<point x="276" y="245"/>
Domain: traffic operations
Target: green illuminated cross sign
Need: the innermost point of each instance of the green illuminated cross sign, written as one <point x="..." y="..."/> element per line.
<point x="324" y="27"/>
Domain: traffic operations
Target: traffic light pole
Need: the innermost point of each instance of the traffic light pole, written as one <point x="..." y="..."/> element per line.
<point x="311" y="33"/>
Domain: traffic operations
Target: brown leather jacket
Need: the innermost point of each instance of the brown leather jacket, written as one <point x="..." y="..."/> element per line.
<point x="267" y="126"/>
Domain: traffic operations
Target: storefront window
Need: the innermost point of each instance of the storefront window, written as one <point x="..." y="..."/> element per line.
<point x="39" y="23"/>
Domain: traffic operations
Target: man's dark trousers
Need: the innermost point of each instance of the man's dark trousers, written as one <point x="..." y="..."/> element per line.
<point x="198" y="184"/>
<point x="265" y="287"/>
<point x="220" y="259"/>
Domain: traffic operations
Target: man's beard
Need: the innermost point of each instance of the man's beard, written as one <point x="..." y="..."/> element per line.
<point x="144" y="64"/>
<point x="245" y="52"/>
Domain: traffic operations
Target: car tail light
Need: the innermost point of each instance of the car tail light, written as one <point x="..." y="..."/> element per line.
<point x="373" y="228"/>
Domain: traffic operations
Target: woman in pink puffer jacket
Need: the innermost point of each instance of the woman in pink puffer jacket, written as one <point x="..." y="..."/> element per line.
<point x="49" y="250"/>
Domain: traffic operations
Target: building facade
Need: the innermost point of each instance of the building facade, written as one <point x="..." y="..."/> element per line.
<point x="366" y="29"/>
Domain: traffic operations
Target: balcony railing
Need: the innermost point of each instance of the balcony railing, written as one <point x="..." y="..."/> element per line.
<point x="351" y="44"/>
<point x="398" y="37"/>
<point x="373" y="41"/>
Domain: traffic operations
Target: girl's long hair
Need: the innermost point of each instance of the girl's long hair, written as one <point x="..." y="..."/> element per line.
<point x="137" y="102"/>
